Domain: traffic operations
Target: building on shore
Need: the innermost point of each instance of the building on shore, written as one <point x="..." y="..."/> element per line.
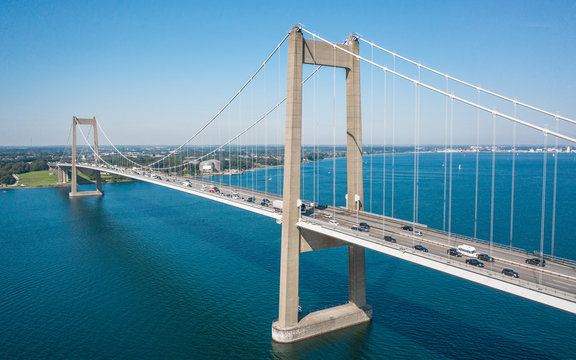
<point x="210" y="166"/>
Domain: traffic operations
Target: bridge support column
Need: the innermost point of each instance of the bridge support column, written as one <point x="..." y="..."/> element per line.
<point x="62" y="175"/>
<point x="356" y="257"/>
<point x="289" y="328"/>
<point x="74" y="186"/>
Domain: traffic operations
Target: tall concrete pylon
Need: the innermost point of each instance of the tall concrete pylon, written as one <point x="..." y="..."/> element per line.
<point x="289" y="328"/>
<point x="74" y="186"/>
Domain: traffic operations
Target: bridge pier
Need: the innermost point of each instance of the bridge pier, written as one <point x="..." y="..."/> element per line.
<point x="62" y="174"/>
<point x="74" y="186"/>
<point x="294" y="241"/>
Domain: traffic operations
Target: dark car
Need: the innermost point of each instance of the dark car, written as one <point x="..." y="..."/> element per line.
<point x="250" y="199"/>
<point x="389" y="238"/>
<point x="510" y="272"/>
<point x="485" y="257"/>
<point x="407" y="228"/>
<point x="536" y="261"/>
<point x="420" y="248"/>
<point x="264" y="203"/>
<point x="357" y="228"/>
<point x="474" y="262"/>
<point x="365" y="226"/>
<point x="453" y="252"/>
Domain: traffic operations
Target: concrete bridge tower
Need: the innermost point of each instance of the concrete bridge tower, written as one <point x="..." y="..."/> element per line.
<point x="289" y="328"/>
<point x="74" y="187"/>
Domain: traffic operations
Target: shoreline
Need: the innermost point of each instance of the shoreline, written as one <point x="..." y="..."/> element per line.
<point x="459" y="151"/>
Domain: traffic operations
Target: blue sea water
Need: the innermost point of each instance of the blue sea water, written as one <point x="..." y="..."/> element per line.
<point x="151" y="273"/>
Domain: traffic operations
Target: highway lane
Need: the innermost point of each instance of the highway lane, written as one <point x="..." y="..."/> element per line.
<point x="553" y="275"/>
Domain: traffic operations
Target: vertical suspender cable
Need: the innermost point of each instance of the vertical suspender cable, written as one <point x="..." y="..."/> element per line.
<point x="556" y="154"/>
<point x="317" y="138"/>
<point x="417" y="145"/>
<point x="280" y="171"/>
<point x="513" y="180"/>
<point x="265" y="139"/>
<point x="252" y="153"/>
<point x="477" y="161"/>
<point x="371" y="121"/>
<point x="414" y="155"/>
<point x="450" y="174"/>
<point x="334" y="137"/>
<point x="543" y="217"/>
<point x="314" y="150"/>
<point x="445" y="164"/>
<point x="384" y="158"/>
<point x="393" y="135"/>
<point x="493" y="182"/>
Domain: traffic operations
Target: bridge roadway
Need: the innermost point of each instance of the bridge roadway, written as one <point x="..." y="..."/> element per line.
<point x="554" y="284"/>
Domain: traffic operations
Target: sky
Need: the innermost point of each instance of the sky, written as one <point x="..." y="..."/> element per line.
<point x="153" y="72"/>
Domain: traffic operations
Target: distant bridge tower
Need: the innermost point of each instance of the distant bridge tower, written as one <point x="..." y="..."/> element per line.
<point x="295" y="240"/>
<point x="74" y="187"/>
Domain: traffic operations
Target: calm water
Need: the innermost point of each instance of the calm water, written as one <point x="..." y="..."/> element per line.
<point x="147" y="273"/>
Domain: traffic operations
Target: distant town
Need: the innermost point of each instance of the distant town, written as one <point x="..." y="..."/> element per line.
<point x="28" y="166"/>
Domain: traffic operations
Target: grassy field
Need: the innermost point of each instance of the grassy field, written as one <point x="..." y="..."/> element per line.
<point x="44" y="179"/>
<point x="38" y="179"/>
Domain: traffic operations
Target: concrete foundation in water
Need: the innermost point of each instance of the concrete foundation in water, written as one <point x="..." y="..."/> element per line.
<point x="321" y="322"/>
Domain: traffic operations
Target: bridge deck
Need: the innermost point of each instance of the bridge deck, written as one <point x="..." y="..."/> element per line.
<point x="554" y="284"/>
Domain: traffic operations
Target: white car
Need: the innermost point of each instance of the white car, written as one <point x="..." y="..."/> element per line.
<point x="333" y="222"/>
<point x="417" y="233"/>
<point x="329" y="216"/>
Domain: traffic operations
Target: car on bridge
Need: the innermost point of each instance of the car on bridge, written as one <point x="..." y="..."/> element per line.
<point x="364" y="226"/>
<point x="485" y="257"/>
<point x="389" y="239"/>
<point x="333" y="222"/>
<point x="453" y="252"/>
<point x="474" y="262"/>
<point x="407" y="228"/>
<point x="328" y="215"/>
<point x="357" y="228"/>
<point x="510" y="272"/>
<point x="420" y="248"/>
<point x="418" y="233"/>
<point x="250" y="199"/>
<point x="536" y="261"/>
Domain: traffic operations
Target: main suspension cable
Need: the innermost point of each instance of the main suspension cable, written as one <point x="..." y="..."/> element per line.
<point x="468" y="84"/>
<point x="462" y="100"/>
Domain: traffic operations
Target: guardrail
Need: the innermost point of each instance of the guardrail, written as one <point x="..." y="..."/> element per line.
<point x="442" y="259"/>
<point x="547" y="257"/>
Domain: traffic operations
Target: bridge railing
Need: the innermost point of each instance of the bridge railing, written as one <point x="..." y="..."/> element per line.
<point x="488" y="271"/>
<point x="547" y="257"/>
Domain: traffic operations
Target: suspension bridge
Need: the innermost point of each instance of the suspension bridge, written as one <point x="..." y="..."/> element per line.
<point x="249" y="125"/>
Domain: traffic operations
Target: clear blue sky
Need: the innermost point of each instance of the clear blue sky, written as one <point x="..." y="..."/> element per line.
<point x="154" y="71"/>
